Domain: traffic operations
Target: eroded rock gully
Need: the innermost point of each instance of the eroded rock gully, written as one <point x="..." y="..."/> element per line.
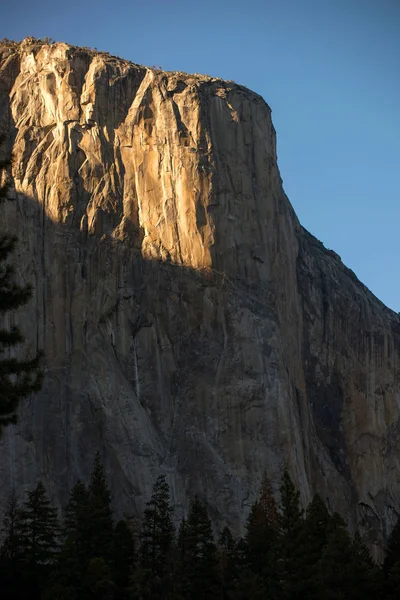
<point x="190" y="325"/>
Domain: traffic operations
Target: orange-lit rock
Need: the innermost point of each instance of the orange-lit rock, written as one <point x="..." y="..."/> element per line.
<point x="190" y="325"/>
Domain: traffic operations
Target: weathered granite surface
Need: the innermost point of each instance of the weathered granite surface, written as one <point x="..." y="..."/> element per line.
<point x="190" y="325"/>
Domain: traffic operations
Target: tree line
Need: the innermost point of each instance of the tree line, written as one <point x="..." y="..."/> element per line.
<point x="286" y="553"/>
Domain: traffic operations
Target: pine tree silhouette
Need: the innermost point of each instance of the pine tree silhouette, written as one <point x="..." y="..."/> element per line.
<point x="200" y="562"/>
<point x="156" y="538"/>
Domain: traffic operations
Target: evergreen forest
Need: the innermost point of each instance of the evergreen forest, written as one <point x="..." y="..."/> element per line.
<point x="286" y="553"/>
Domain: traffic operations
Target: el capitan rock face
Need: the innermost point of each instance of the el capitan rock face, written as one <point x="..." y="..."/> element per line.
<point x="190" y="325"/>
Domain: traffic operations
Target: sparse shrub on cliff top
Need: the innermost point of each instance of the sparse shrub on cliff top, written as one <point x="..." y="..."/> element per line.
<point x="8" y="43"/>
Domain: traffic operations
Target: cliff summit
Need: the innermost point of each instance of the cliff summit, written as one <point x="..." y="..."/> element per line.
<point x="190" y="325"/>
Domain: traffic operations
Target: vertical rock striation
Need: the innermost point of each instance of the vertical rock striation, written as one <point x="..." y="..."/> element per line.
<point x="190" y="325"/>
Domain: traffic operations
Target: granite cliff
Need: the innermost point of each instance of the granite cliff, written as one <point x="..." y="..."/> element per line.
<point x="190" y="325"/>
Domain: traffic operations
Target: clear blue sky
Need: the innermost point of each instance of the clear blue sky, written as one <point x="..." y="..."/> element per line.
<point x="329" y="69"/>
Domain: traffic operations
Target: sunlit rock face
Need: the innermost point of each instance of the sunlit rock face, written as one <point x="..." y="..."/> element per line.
<point x="190" y="325"/>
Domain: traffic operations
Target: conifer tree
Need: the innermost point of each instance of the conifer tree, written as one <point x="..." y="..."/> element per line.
<point x="123" y="559"/>
<point x="98" y="583"/>
<point x="262" y="529"/>
<point x="292" y="538"/>
<point x="291" y="512"/>
<point x="75" y="518"/>
<point x="88" y="534"/>
<point x="255" y="557"/>
<point x="317" y="525"/>
<point x="248" y="583"/>
<point x="99" y="517"/>
<point x="313" y="541"/>
<point x="75" y="550"/>
<point x="157" y="530"/>
<point x="228" y="563"/>
<point x="369" y="577"/>
<point x="241" y="552"/>
<point x="392" y="548"/>
<point x="10" y="552"/>
<point x="18" y="378"/>
<point x="336" y="576"/>
<point x="391" y="565"/>
<point x="10" y="531"/>
<point x="199" y="555"/>
<point x="38" y="532"/>
<point x="157" y="537"/>
<point x="179" y="579"/>
<point x="39" y="528"/>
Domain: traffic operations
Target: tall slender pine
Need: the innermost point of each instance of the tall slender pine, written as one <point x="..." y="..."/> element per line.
<point x="39" y="532"/>
<point x="292" y="538"/>
<point x="99" y="517"/>
<point x="200" y="561"/>
<point x="157" y="537"/>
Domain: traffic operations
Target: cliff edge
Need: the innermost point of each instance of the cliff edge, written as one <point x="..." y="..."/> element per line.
<point x="190" y="325"/>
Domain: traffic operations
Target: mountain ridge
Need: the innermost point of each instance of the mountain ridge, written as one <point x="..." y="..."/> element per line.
<point x="190" y="324"/>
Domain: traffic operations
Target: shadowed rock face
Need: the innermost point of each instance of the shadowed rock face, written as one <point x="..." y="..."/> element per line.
<point x="190" y="325"/>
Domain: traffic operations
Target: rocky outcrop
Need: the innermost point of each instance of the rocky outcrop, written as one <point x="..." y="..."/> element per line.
<point x="190" y="325"/>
